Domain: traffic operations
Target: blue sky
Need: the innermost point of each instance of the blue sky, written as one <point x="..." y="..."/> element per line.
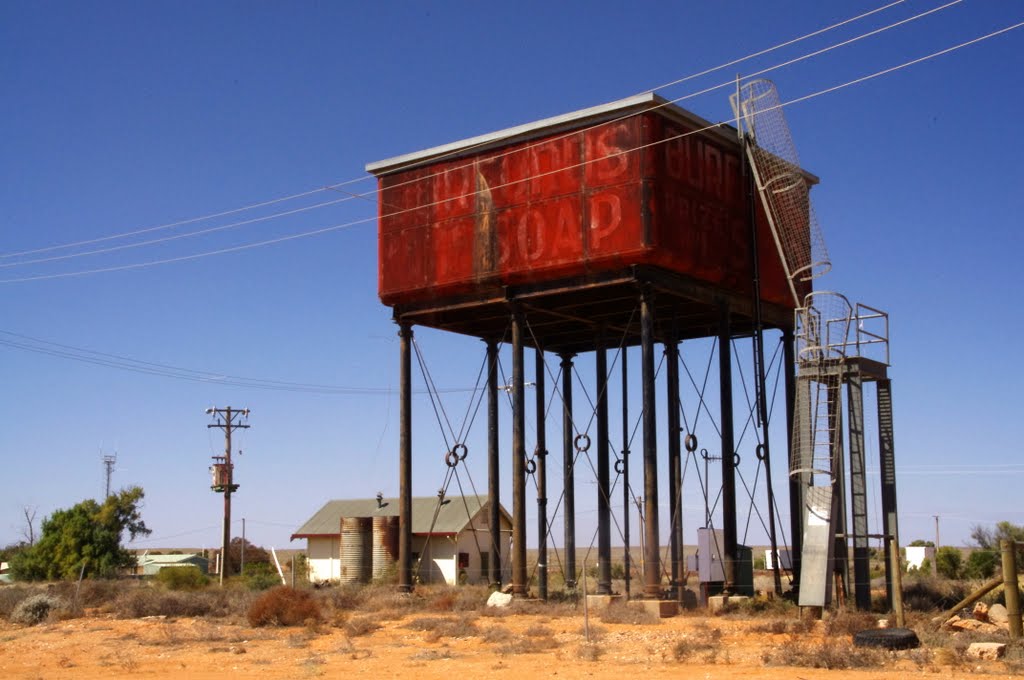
<point x="117" y="117"/>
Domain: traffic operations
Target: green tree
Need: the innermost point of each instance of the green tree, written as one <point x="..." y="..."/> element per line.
<point x="989" y="539"/>
<point x="254" y="554"/>
<point x="949" y="562"/>
<point x="982" y="564"/>
<point x="88" y="534"/>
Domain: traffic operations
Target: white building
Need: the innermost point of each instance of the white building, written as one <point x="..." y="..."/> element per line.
<point x="450" y="540"/>
<point x="917" y="554"/>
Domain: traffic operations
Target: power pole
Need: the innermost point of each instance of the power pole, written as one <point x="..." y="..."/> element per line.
<point x="935" y="558"/>
<point x="228" y="419"/>
<point x="108" y="464"/>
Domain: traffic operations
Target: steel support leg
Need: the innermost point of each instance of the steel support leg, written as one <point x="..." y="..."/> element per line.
<point x="604" y="510"/>
<point x="729" y="538"/>
<point x="568" y="473"/>
<point x="542" y="479"/>
<point x="652" y="557"/>
<point x="858" y="494"/>
<point x="519" y="585"/>
<point x="887" y="465"/>
<point x="493" y="467"/>
<point x="626" y="500"/>
<point x="796" y="486"/>
<point x="675" y="470"/>
<point x="405" y="459"/>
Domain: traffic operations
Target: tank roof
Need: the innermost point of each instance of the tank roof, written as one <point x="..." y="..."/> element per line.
<point x="575" y="120"/>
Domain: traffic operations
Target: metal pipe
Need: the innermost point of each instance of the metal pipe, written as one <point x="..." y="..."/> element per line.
<point x="519" y="585"/>
<point x="652" y="558"/>
<point x="568" y="478"/>
<point x="604" y="531"/>
<point x="493" y="467"/>
<point x="729" y="538"/>
<point x="405" y="459"/>
<point x="542" y="478"/>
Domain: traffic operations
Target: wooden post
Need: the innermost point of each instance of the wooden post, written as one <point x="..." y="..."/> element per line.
<point x="897" y="582"/>
<point x="1009" y="550"/>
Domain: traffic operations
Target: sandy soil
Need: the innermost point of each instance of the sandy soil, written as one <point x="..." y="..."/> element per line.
<point x="454" y="645"/>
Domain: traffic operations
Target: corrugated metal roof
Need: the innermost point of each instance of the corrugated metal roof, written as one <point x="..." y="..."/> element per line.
<point x="168" y="559"/>
<point x="452" y="517"/>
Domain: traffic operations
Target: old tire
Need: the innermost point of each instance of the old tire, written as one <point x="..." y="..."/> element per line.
<point x="887" y="638"/>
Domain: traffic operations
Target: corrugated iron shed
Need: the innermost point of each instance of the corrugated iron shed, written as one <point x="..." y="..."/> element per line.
<point x="452" y="517"/>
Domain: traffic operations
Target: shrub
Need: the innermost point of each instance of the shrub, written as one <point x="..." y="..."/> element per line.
<point x="36" y="609"/>
<point x="10" y="597"/>
<point x="284" y="606"/>
<point x="142" y="602"/>
<point x="182" y="578"/>
<point x="260" y="576"/>
<point x="981" y="564"/>
<point x="949" y="562"/>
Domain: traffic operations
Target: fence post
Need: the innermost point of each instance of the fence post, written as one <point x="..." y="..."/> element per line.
<point x="897" y="581"/>
<point x="1009" y="550"/>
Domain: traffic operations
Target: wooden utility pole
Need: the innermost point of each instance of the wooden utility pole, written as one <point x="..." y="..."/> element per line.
<point x="228" y="419"/>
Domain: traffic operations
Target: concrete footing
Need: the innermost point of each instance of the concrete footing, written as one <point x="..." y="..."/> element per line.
<point x="717" y="603"/>
<point x="661" y="608"/>
<point x="602" y="602"/>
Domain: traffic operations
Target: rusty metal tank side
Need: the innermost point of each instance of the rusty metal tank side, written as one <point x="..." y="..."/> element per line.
<point x="644" y="189"/>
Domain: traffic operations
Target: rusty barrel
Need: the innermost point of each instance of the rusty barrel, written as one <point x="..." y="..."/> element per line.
<point x="355" y="558"/>
<point x="385" y="545"/>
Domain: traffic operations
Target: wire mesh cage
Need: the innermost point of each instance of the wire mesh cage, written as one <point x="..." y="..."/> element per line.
<point x="784" y="189"/>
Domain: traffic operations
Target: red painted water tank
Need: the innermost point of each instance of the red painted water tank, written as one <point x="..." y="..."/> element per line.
<point x="635" y="182"/>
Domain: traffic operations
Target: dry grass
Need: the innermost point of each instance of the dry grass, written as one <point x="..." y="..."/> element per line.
<point x="438" y="627"/>
<point x="703" y="645"/>
<point x="828" y="654"/>
<point x="629" y="613"/>
<point x="589" y="651"/>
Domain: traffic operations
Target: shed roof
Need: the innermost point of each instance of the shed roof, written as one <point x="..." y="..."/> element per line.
<point x="452" y="517"/>
<point x="169" y="559"/>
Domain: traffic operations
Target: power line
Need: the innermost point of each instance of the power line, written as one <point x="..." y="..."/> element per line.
<point x="177" y="237"/>
<point x="167" y="371"/>
<point x="353" y="223"/>
<point x="338" y="185"/>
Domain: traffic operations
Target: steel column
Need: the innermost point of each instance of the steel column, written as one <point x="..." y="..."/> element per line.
<point x="858" y="493"/>
<point x="796" y="487"/>
<point x="542" y="478"/>
<point x="405" y="459"/>
<point x="604" y="514"/>
<point x="568" y="476"/>
<point x="729" y="538"/>
<point x="519" y="585"/>
<point x="652" y="557"/>
<point x="675" y="474"/>
<point x="493" y="467"/>
<point x="625" y="467"/>
<point x="887" y="465"/>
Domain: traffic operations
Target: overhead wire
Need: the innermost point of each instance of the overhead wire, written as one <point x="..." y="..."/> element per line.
<point x="337" y="186"/>
<point x="165" y="370"/>
<point x="613" y="154"/>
